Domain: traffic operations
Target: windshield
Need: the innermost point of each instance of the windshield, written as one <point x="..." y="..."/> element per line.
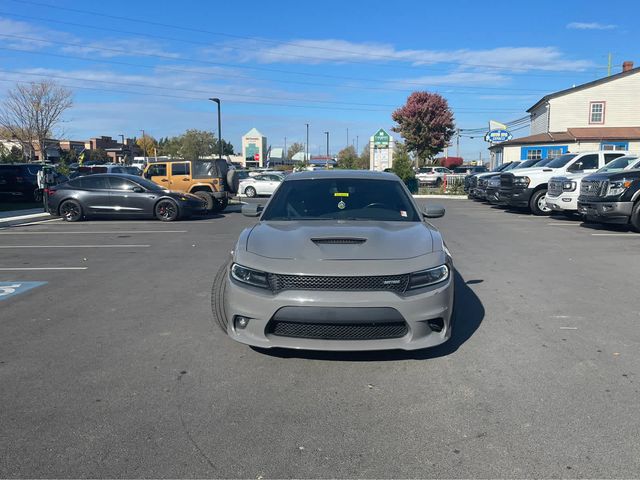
<point x="511" y="166"/>
<point x="619" y="164"/>
<point x="529" y="163"/>
<point x="561" y="161"/>
<point x="341" y="199"/>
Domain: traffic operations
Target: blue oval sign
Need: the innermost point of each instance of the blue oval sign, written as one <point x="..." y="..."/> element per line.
<point x="497" y="136"/>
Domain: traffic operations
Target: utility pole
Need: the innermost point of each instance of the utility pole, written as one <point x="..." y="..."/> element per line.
<point x="285" y="158"/>
<point x="144" y="146"/>
<point x="306" y="158"/>
<point x="609" y="66"/>
<point x="357" y="149"/>
<point x="122" y="148"/>
<point x="458" y="143"/>
<point x="326" y="165"/>
<point x="347" y="136"/>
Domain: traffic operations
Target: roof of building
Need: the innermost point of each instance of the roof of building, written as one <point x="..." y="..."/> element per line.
<point x="577" y="134"/>
<point x="593" y="83"/>
<point x="253" y="133"/>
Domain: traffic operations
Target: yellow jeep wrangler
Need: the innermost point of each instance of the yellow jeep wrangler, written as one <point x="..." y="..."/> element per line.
<point x="211" y="180"/>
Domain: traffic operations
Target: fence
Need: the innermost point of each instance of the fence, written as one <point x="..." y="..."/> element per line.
<point x="454" y="182"/>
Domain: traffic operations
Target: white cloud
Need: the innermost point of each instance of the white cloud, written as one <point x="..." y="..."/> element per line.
<point x="27" y="36"/>
<point x="340" y="51"/>
<point x="459" y="78"/>
<point x="590" y="26"/>
<point x="123" y="47"/>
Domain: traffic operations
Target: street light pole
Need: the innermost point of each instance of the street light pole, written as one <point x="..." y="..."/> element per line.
<point x="217" y="100"/>
<point x="306" y="158"/>
<point x="285" y="157"/>
<point x="326" y="165"/>
<point x="122" y="147"/>
<point x="347" y="136"/>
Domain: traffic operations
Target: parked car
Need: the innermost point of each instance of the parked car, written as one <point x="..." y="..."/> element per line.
<point x="528" y="187"/>
<point x="564" y="190"/>
<point x="119" y="195"/>
<point x="131" y="170"/>
<point x="432" y="175"/>
<point x="95" y="169"/>
<point x="340" y="260"/>
<point x="477" y="183"/>
<point x="263" y="184"/>
<point x="470" y="169"/>
<point x="492" y="190"/>
<point x="612" y="197"/>
<point x="19" y="181"/>
<point x="213" y="181"/>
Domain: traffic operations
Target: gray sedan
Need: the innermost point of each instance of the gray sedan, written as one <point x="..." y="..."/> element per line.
<point x="340" y="260"/>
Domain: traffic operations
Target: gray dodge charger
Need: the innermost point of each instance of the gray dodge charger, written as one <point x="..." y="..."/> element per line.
<point x="339" y="260"/>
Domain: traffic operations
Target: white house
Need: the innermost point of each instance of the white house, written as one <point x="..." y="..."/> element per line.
<point x="602" y="114"/>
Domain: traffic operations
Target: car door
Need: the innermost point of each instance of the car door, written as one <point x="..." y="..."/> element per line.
<point x="180" y="176"/>
<point x="94" y="194"/>
<point x="273" y="182"/>
<point x="260" y="184"/>
<point x="129" y="198"/>
<point x="157" y="173"/>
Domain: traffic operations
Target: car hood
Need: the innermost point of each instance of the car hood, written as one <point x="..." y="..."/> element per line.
<point x="521" y="172"/>
<point x="334" y="240"/>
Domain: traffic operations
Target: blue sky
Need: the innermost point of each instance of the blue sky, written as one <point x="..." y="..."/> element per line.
<point x="277" y="65"/>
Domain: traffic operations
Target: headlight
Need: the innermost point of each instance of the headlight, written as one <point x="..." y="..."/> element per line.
<point x="249" y="276"/>
<point x="522" y="181"/>
<point x="617" y="187"/>
<point x="494" y="182"/>
<point x="425" y="278"/>
<point x="569" y="186"/>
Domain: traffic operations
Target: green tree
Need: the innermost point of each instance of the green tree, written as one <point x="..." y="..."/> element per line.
<point x="295" y="147"/>
<point x="12" y="155"/>
<point x="365" y="158"/>
<point x="426" y="124"/>
<point x="195" y="144"/>
<point x="98" y="155"/>
<point x="348" y="158"/>
<point x="403" y="167"/>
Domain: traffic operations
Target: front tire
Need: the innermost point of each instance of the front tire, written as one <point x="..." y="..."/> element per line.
<point x="538" y="205"/>
<point x="219" y="204"/>
<point x="71" y="211"/>
<point x="250" y="192"/>
<point x="217" y="297"/>
<point x="166" y="210"/>
<point x="207" y="198"/>
<point x="634" y="220"/>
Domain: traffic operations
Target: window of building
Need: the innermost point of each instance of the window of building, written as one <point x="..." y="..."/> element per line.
<point x="614" y="146"/>
<point x="596" y="112"/>
<point x="553" y="152"/>
<point x="534" y="154"/>
<point x="179" y="169"/>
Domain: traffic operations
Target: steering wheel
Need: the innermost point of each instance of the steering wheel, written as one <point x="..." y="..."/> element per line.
<point x="376" y="205"/>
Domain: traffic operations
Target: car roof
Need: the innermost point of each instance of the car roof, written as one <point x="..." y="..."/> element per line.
<point x="368" y="174"/>
<point x="111" y="175"/>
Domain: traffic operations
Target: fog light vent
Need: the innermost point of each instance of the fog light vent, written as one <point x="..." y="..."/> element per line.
<point x="241" y="322"/>
<point x="436" y="324"/>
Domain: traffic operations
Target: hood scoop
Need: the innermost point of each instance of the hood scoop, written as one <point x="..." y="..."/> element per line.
<point x="338" y="241"/>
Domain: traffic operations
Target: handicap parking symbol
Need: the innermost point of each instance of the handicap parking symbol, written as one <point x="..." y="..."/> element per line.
<point x="9" y="289"/>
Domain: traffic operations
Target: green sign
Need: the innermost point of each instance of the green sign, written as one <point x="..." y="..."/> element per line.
<point x="381" y="139"/>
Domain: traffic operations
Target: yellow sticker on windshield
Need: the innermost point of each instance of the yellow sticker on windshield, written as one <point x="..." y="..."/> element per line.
<point x="341" y="194"/>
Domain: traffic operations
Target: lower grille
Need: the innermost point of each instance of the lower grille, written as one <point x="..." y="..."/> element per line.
<point x="338" y="331"/>
<point x="392" y="283"/>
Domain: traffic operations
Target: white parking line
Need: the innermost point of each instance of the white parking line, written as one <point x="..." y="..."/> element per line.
<point x="565" y="224"/>
<point x="104" y="232"/>
<point x="73" y="246"/>
<point x="615" y="234"/>
<point x="23" y="269"/>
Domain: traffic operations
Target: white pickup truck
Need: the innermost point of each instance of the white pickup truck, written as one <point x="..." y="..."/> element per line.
<point x="528" y="187"/>
<point x="563" y="191"/>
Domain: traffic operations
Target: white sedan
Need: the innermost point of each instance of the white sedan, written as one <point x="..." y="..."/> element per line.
<point x="263" y="184"/>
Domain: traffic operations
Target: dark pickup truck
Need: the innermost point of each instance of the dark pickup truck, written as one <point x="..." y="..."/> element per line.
<point x="611" y="198"/>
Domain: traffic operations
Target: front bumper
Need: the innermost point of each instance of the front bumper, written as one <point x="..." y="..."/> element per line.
<point x="520" y="197"/>
<point x="492" y="194"/>
<point x="415" y="308"/>
<point x="562" y="203"/>
<point x="606" y="212"/>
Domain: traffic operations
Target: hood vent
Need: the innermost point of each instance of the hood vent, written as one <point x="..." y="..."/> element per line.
<point x="339" y="241"/>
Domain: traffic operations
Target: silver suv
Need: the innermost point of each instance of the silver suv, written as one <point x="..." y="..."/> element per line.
<point x="340" y="260"/>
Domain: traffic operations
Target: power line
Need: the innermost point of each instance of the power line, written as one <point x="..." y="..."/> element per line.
<point x="226" y="75"/>
<point x="274" y="42"/>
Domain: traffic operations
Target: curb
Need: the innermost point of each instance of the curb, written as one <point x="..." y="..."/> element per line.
<point x="452" y="197"/>
<point x="10" y="221"/>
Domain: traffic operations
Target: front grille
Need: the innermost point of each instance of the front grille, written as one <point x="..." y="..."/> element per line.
<point x="473" y="181"/>
<point x="482" y="183"/>
<point x="555" y="188"/>
<point x="392" y="283"/>
<point x="592" y="188"/>
<point x="338" y="241"/>
<point x="337" y="331"/>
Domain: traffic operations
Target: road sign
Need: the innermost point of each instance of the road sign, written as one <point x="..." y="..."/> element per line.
<point x="9" y="289"/>
<point x="381" y="139"/>
<point x="497" y="136"/>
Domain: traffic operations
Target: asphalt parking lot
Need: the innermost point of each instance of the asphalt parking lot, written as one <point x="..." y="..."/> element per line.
<point x="114" y="367"/>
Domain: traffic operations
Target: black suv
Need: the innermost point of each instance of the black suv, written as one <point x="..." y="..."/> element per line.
<point x="19" y="181"/>
<point x="611" y="198"/>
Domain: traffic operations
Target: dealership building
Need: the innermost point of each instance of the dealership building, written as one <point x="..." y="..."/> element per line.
<point x="598" y="115"/>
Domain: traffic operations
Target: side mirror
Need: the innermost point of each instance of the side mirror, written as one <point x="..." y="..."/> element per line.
<point x="252" y="209"/>
<point x="435" y="211"/>
<point x="138" y="189"/>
